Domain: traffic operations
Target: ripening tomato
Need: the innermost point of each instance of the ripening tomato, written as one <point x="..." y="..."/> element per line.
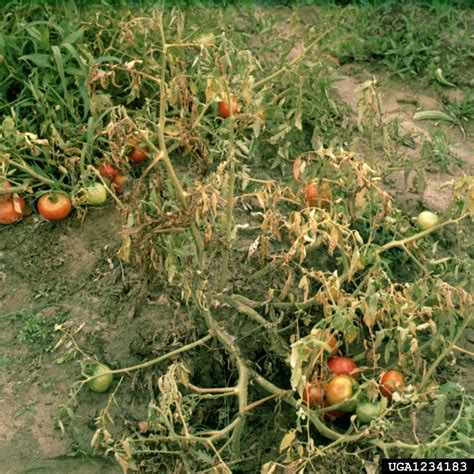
<point x="11" y="209"/>
<point x="104" y="380"/>
<point x="106" y="170"/>
<point x="118" y="182"/>
<point x="343" y="366"/>
<point x="313" y="394"/>
<point x="391" y="381"/>
<point x="139" y="153"/>
<point x="317" y="194"/>
<point x="54" y="206"/>
<point x="226" y="111"/>
<point x="340" y="389"/>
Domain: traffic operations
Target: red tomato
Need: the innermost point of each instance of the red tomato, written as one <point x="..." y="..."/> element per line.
<point x="343" y="366"/>
<point x="11" y="209"/>
<point x="313" y="193"/>
<point x="118" y="182"/>
<point x="313" y="394"/>
<point x="226" y="111"/>
<point x="392" y="381"/>
<point x="339" y="389"/>
<point x="108" y="171"/>
<point x="139" y="153"/>
<point x="54" y="206"/>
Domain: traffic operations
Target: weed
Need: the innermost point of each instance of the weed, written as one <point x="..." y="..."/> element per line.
<point x="37" y="330"/>
<point x="403" y="37"/>
<point x="5" y="363"/>
<point x="437" y="153"/>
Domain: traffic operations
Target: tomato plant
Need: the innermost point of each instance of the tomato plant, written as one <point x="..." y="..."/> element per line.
<point x="391" y="381"/>
<point x="54" y="206"/>
<point x="139" y="153"/>
<point x="104" y="380"/>
<point x="317" y="195"/>
<point x="106" y="170"/>
<point x="426" y="220"/>
<point x="313" y="394"/>
<point x="340" y="389"/>
<point x="368" y="411"/>
<point x="343" y="366"/>
<point x="330" y="415"/>
<point x="325" y="336"/>
<point x="226" y="111"/>
<point x="11" y="209"/>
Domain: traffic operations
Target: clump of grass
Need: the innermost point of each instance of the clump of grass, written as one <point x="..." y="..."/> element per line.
<point x="409" y="40"/>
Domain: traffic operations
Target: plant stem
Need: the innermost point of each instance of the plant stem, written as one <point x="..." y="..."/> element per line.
<point x="152" y="362"/>
<point x="181" y="195"/>
<point x="445" y="352"/>
<point x="274" y="75"/>
<point x="229" y="216"/>
<point x="402" y="242"/>
<point x="243" y="372"/>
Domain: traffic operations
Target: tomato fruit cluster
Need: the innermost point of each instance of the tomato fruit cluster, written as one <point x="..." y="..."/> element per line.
<point x="341" y="388"/>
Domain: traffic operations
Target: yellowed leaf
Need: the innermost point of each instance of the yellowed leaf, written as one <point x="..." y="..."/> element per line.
<point x="124" y="251"/>
<point x="287" y="440"/>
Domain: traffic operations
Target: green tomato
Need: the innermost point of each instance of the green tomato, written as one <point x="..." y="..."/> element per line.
<point x="103" y="382"/>
<point x="426" y="220"/>
<point x="367" y="411"/>
<point x="95" y="194"/>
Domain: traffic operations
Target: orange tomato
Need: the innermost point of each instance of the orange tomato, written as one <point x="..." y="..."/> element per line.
<point x="392" y="381"/>
<point x="118" y="182"/>
<point x="54" y="206"/>
<point x="226" y="111"/>
<point x="318" y="195"/>
<point x="11" y="209"/>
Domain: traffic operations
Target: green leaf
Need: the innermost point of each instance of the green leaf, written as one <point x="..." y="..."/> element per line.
<point x="40" y="60"/>
<point x="73" y="37"/>
<point x="439" y="417"/>
<point x="464" y="439"/>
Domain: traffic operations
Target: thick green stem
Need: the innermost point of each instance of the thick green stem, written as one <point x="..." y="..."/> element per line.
<point x="229" y="216"/>
<point x="402" y="242"/>
<point x="180" y="193"/>
<point x="243" y="372"/>
<point x="445" y="352"/>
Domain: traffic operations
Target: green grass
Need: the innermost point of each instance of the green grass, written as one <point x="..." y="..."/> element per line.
<point x="409" y="40"/>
